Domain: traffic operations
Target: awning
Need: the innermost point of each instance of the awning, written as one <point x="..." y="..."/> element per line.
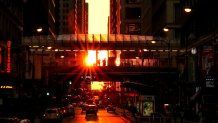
<point x="139" y="87"/>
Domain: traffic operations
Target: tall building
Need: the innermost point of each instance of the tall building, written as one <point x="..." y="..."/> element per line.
<point x="67" y="17"/>
<point x="40" y="14"/>
<point x="195" y="31"/>
<point x="11" y="61"/>
<point x="114" y="19"/>
<point x="72" y="17"/>
<point x="164" y="13"/>
<point x="11" y="29"/>
<point x="80" y="8"/>
<point x="199" y="37"/>
<point x="135" y="17"/>
<point x="86" y="20"/>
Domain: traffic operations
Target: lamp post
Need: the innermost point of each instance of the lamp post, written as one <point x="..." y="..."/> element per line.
<point x="38" y="31"/>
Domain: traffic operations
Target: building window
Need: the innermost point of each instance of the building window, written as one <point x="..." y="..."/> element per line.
<point x="133" y="13"/>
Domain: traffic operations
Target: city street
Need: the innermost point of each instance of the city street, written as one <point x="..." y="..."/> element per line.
<point x="146" y="61"/>
<point x="102" y="117"/>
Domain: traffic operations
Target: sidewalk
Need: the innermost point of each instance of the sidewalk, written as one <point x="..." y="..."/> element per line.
<point x="125" y="114"/>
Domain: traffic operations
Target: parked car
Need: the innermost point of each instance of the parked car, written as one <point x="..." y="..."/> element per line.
<point x="111" y="108"/>
<point x="91" y="109"/>
<point x="52" y="114"/>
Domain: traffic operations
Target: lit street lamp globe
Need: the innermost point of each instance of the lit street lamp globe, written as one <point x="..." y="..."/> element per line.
<point x="193" y="51"/>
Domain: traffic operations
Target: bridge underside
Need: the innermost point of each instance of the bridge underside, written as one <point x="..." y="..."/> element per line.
<point x="143" y="75"/>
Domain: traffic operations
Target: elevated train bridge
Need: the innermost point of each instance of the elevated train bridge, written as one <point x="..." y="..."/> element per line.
<point x="144" y="48"/>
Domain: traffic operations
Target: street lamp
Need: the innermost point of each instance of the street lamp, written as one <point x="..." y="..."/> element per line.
<point x="165" y="29"/>
<point x="187" y="9"/>
<point x="194" y="51"/>
<point x="39" y="29"/>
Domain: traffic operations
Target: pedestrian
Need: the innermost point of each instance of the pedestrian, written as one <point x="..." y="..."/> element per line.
<point x="104" y="62"/>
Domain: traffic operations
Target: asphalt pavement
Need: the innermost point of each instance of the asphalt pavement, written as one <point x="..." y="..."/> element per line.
<point x="103" y="116"/>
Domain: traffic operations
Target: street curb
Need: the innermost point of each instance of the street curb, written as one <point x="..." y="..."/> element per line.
<point x="125" y="119"/>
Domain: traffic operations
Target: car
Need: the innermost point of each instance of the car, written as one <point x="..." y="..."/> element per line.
<point x="52" y="114"/>
<point x="91" y="109"/>
<point x="111" y="108"/>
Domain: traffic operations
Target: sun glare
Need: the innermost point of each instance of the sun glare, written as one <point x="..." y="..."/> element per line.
<point x="91" y="58"/>
<point x="98" y="12"/>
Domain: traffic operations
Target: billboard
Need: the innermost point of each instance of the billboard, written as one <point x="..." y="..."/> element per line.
<point x="148" y="105"/>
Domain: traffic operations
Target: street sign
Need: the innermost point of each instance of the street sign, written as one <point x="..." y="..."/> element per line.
<point x="209" y="81"/>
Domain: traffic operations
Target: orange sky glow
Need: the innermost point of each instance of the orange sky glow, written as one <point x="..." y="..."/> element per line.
<point x="98" y="16"/>
<point x="98" y="12"/>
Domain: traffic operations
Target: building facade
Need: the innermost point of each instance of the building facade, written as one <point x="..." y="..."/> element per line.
<point x="40" y="14"/>
<point x="199" y="34"/>
<point x="135" y="17"/>
<point x="73" y="17"/>
<point x="194" y="31"/>
<point x="114" y="18"/>
<point x="11" y="30"/>
<point x="67" y="17"/>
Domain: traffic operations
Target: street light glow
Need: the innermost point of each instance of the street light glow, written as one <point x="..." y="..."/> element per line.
<point x="165" y="29"/>
<point x="187" y="10"/>
<point x="39" y="29"/>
